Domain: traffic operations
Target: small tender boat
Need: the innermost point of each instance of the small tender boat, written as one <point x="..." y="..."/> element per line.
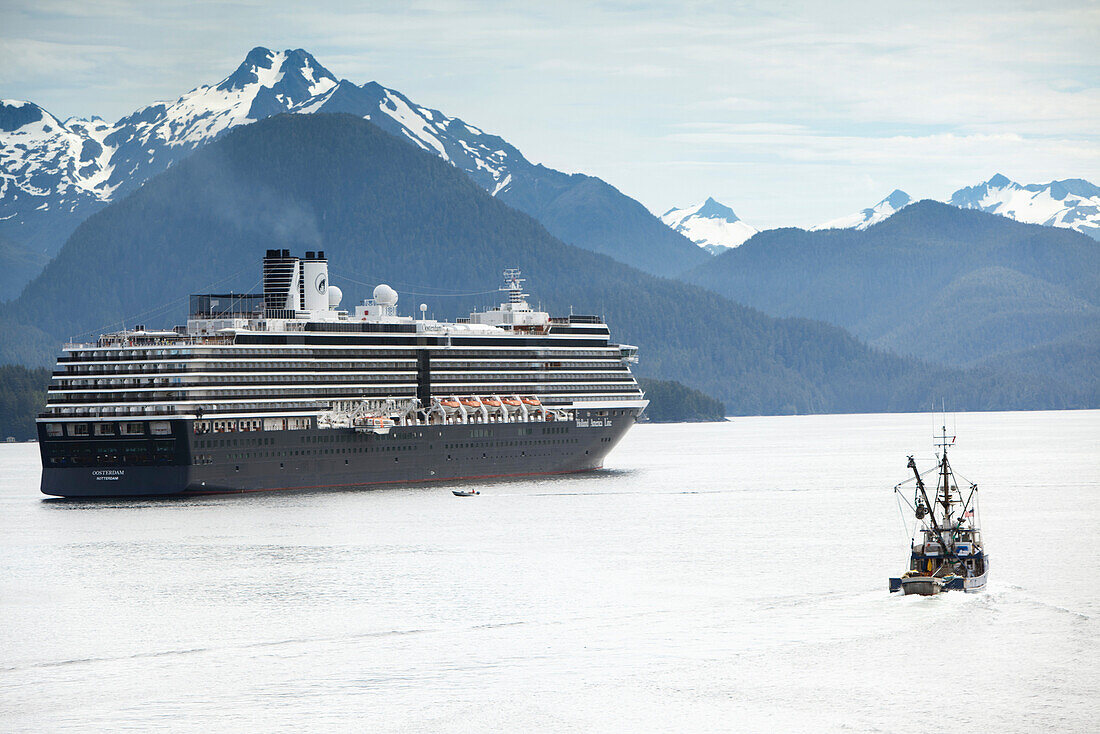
<point x="472" y="403"/>
<point x="449" y="405"/>
<point x="465" y="492"/>
<point x="946" y="552"/>
<point x="531" y="402"/>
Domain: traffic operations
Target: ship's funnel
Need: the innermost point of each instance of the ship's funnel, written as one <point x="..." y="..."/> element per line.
<point x="281" y="281"/>
<point x="315" y="282"/>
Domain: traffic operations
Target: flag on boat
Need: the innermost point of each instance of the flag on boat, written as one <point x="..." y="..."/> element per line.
<point x="969" y="513"/>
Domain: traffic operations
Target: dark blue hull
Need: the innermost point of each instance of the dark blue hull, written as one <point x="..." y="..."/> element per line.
<point x="342" y="458"/>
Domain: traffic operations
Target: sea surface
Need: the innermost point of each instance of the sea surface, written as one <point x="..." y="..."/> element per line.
<point x="713" y="577"/>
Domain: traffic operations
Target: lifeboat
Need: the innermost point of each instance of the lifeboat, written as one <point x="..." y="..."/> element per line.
<point x="493" y="406"/>
<point x="512" y="405"/>
<point x="531" y="402"/>
<point x="473" y="403"/>
<point x="373" y="424"/>
<point x="449" y="405"/>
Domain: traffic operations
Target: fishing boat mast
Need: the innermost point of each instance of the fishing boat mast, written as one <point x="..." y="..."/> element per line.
<point x="927" y="504"/>
<point x="945" y="475"/>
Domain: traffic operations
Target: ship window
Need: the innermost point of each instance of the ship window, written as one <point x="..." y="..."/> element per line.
<point x="53" y="429"/>
<point x="103" y="429"/>
<point x="78" y="429"/>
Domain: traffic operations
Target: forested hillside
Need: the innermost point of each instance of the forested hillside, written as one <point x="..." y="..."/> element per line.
<point x="577" y="209"/>
<point x="22" y="395"/>
<point x="933" y="281"/>
<point x="386" y="212"/>
<point x="672" y="402"/>
<point x="18" y="264"/>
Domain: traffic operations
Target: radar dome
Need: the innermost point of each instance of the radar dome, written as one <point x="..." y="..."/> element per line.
<point x="334" y="296"/>
<point x="385" y="296"/>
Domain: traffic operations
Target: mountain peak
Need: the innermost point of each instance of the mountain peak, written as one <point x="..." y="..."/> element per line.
<point x="258" y="56"/>
<point x="712" y="209"/>
<point x="15" y="113"/>
<point x="896" y="201"/>
<point x="711" y="225"/>
<point x="1070" y="203"/>
<point x="295" y="69"/>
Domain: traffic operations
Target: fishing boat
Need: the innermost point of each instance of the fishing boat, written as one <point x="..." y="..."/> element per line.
<point x="465" y="492"/>
<point x="946" y="549"/>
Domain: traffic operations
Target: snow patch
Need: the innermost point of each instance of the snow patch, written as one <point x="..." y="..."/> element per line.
<point x="863" y="219"/>
<point x="501" y="185"/>
<point x="415" y="125"/>
<point x="710" y="225"/>
<point x="1050" y="204"/>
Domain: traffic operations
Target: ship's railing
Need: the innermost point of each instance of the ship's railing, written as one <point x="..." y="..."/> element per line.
<point x="119" y="340"/>
<point x="576" y="319"/>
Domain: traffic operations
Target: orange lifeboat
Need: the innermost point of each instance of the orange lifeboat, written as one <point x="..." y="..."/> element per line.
<point x="449" y="405"/>
<point x="511" y="402"/>
<point x="490" y="402"/>
<point x="531" y="402"/>
<point x="470" y="402"/>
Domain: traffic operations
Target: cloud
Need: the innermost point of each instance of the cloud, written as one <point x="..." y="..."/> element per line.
<point x="55" y="61"/>
<point x="669" y="101"/>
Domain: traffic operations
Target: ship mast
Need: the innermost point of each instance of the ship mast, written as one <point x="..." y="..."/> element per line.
<point x="945" y="476"/>
<point x="930" y="505"/>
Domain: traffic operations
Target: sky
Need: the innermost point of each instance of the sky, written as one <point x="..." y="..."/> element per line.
<point x="791" y="113"/>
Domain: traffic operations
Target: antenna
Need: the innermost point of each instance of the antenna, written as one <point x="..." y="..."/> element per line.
<point x="513" y="284"/>
<point x="942" y="439"/>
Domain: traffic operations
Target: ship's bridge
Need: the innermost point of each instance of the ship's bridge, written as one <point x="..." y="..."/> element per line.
<point x="516" y="313"/>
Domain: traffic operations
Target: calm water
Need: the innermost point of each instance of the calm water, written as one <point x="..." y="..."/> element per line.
<point x="713" y="577"/>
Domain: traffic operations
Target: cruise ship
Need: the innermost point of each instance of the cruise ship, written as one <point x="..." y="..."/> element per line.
<point x="286" y="390"/>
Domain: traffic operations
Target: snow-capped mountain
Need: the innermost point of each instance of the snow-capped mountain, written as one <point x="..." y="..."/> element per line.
<point x="711" y="225"/>
<point x="1072" y="203"/>
<point x="487" y="159"/>
<point x="48" y="167"/>
<point x="863" y="219"/>
<point x="54" y="174"/>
